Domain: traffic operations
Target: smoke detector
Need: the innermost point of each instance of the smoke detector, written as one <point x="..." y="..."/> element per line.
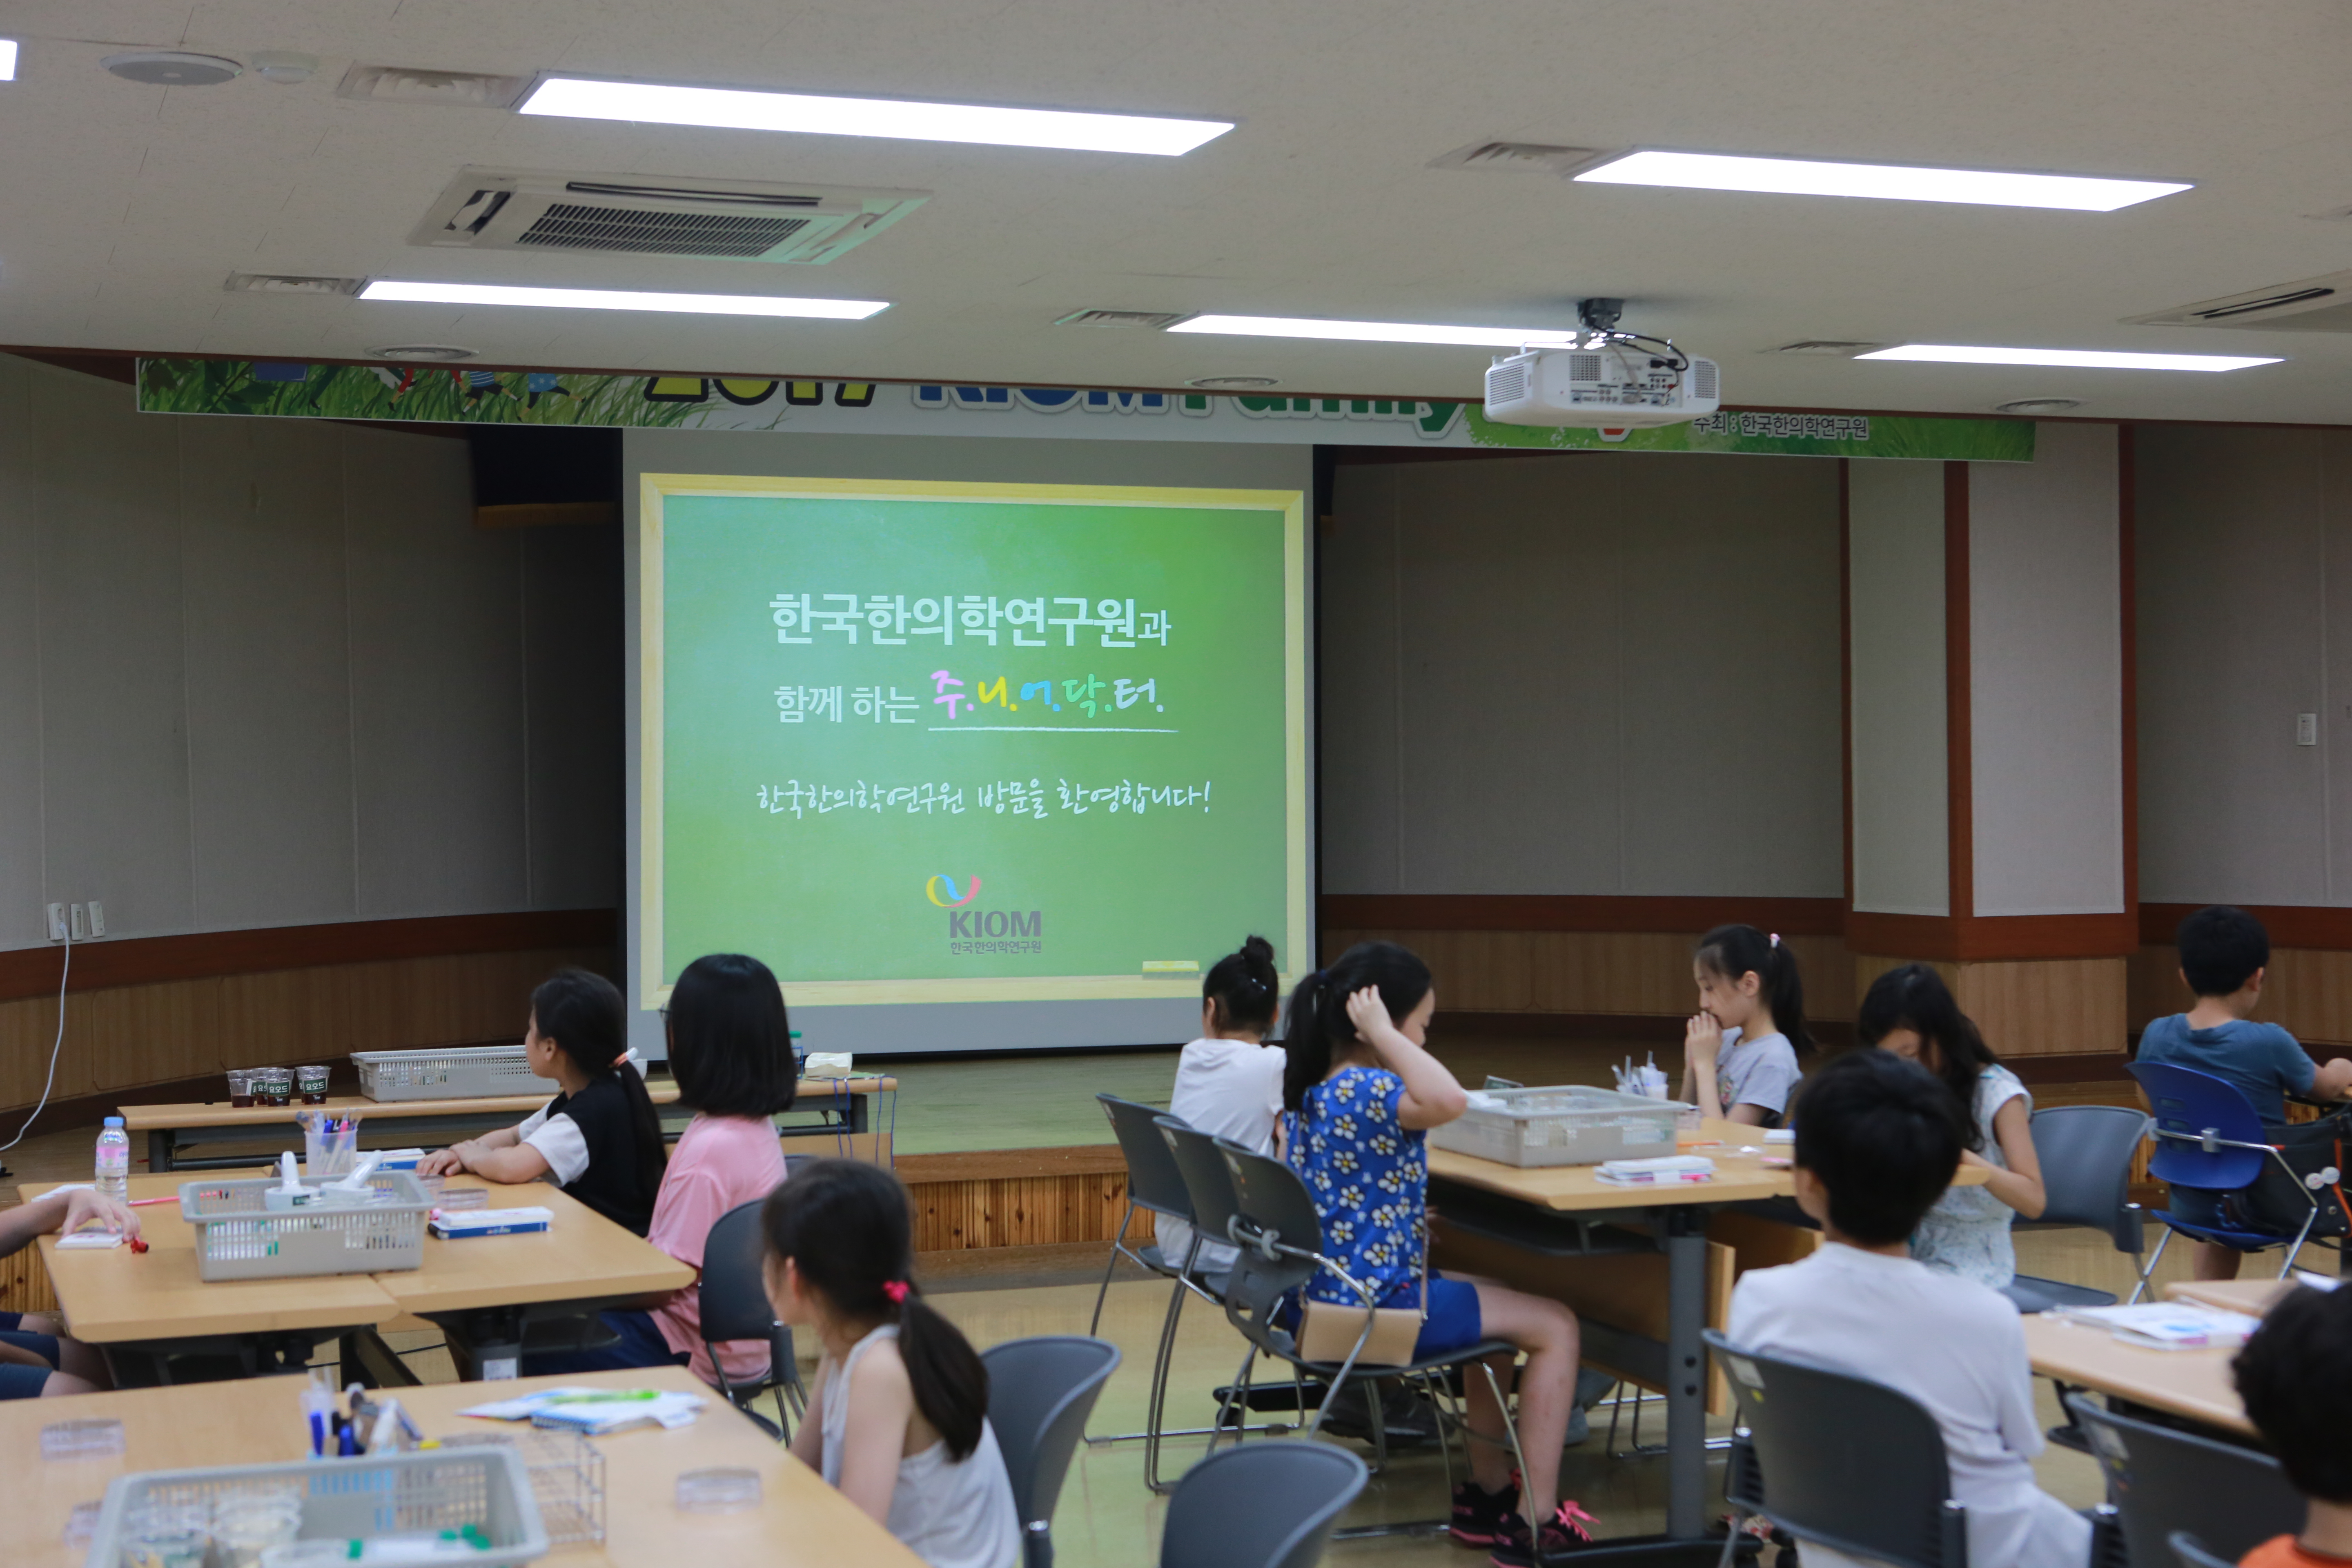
<point x="282" y="68"/>
<point x="422" y="352"/>
<point x="290" y="283"/>
<point x="1121" y="319"/>
<point x="1234" y="382"/>
<point x="2030" y="407"/>
<point x="171" y="67"/>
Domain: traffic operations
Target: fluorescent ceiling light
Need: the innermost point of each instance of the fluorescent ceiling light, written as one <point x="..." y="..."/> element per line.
<point x="622" y="300"/>
<point x="1891" y="182"/>
<point x="8" y="59"/>
<point x="2065" y="358"/>
<point x="1378" y="331"/>
<point x="742" y="109"/>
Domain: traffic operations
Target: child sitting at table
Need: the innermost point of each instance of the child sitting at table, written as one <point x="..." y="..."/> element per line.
<point x="1741" y="1048"/>
<point x="1229" y="1081"/>
<point x="1879" y="1139"/>
<point x="730" y="1049"/>
<point x="600" y="1139"/>
<point x="38" y="1361"/>
<point x="2296" y="1378"/>
<point x="2224" y="953"/>
<point x="899" y="1422"/>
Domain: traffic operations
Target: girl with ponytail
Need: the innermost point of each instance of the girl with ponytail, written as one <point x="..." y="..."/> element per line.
<point x="1741" y="1048"/>
<point x="899" y="1422"/>
<point x="600" y="1139"/>
<point x="1229" y="1081"/>
<point x="1362" y="1091"/>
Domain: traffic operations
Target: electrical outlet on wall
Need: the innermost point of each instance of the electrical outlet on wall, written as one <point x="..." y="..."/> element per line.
<point x="97" y="920"/>
<point x="2306" y="728"/>
<point x="56" y="918"/>
<point x="81" y="913"/>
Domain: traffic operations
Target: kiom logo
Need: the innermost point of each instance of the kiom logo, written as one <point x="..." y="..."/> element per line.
<point x="942" y="891"/>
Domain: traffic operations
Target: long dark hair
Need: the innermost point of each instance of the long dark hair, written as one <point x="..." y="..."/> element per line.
<point x="1244" y="988"/>
<point x="847" y="1228"/>
<point x="1915" y="997"/>
<point x="730" y="1044"/>
<point x="1730" y="952"/>
<point x="585" y="1015"/>
<point x="1319" y="1009"/>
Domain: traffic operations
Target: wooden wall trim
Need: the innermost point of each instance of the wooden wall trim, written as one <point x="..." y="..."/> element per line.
<point x="1564" y="911"/>
<point x="1993" y="937"/>
<point x="143" y="960"/>
<point x="2327" y="928"/>
<point x="1959" y="728"/>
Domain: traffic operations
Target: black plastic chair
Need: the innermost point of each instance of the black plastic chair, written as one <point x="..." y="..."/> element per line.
<point x="2163" y="1482"/>
<point x="1153" y="1185"/>
<point x="1841" y="1460"/>
<point x="1040" y="1393"/>
<point x="1280" y="1234"/>
<point x="2191" y="1553"/>
<point x="2086" y="1153"/>
<point x="1270" y="1505"/>
<point x="1209" y="1201"/>
<point x="735" y="1306"/>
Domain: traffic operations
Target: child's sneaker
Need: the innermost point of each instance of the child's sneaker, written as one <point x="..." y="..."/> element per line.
<point x="1563" y="1534"/>
<point x="1478" y="1513"/>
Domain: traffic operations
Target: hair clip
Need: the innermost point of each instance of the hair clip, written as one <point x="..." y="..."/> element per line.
<point x="1776" y="939"/>
<point x="898" y="1290"/>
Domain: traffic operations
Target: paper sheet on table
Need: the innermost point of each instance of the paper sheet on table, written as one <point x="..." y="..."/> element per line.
<point x="2166" y="1325"/>
<point x="594" y="1410"/>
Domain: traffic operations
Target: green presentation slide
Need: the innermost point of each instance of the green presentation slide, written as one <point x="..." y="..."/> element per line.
<point x="919" y="742"/>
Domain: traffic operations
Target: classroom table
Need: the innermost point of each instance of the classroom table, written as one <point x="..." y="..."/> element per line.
<point x="2253" y="1296"/>
<point x="843" y="1107"/>
<point x="147" y="1310"/>
<point x="800" y="1523"/>
<point x="1567" y="1212"/>
<point x="2193" y="1384"/>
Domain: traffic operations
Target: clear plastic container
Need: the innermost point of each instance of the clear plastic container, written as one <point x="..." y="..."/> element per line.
<point x="92" y="1439"/>
<point x="1573" y="1124"/>
<point x="114" y="1161"/>
<point x="251" y="1521"/>
<point x="167" y="1535"/>
<point x="720" y="1489"/>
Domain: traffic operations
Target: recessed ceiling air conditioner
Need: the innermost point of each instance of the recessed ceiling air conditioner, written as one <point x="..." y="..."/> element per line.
<point x="744" y="220"/>
<point x="2321" y="304"/>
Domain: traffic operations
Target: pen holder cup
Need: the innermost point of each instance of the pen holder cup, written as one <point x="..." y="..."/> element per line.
<point x="329" y="1152"/>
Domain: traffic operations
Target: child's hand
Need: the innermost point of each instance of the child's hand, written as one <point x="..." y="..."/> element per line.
<point x="1369" y="1014"/>
<point x="1702" y="1041"/>
<point x="441" y="1163"/>
<point x="88" y="1207"/>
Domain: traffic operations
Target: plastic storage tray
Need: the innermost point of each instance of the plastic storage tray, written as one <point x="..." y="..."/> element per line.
<point x="1572" y="1125"/>
<point x="456" y="1072"/>
<point x="358" y="1498"/>
<point x="239" y="1237"/>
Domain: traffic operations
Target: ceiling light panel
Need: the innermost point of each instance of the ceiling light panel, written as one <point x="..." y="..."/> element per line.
<point x="1379" y="331"/>
<point x="2067" y="359"/>
<point x="8" y="59"/>
<point x="622" y="300"/>
<point x="1885" y="182"/>
<point x="744" y="108"/>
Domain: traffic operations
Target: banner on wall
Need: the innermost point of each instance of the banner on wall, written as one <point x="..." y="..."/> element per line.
<point x="444" y="395"/>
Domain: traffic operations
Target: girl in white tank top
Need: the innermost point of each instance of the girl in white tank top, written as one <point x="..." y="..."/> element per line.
<point x="901" y="1426"/>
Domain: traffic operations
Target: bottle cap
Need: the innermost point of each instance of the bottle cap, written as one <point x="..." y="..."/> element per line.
<point x="110" y="1122"/>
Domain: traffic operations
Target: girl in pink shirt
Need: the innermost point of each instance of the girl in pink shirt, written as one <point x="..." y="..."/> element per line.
<point x="730" y="1049"/>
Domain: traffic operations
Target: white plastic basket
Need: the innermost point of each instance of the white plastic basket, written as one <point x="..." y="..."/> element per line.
<point x="358" y="1500"/>
<point x="239" y="1237"/>
<point x="1571" y="1125"/>
<point x="453" y="1072"/>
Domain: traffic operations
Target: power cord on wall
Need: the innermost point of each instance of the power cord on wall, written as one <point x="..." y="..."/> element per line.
<point x="64" y="972"/>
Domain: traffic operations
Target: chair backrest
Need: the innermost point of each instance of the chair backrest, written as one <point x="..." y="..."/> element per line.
<point x="2191" y="1552"/>
<point x="2163" y="1481"/>
<point x="2086" y="1155"/>
<point x="735" y="1303"/>
<point x="1845" y="1461"/>
<point x="1263" y="1505"/>
<point x="1152" y="1180"/>
<point x="1208" y="1184"/>
<point x="2189" y="1103"/>
<point x="1269" y="1200"/>
<point x="1040" y="1393"/>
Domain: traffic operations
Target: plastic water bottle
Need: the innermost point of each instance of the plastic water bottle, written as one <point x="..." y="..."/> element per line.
<point x="114" y="1161"/>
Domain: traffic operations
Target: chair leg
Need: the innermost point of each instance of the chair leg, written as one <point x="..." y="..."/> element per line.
<point x="1152" y="1411"/>
<point x="1444" y="1448"/>
<point x="1118" y="1246"/>
<point x="1518" y="1457"/>
<point x="2153" y="1259"/>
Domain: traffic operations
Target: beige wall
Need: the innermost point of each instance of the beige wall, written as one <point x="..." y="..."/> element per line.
<point x="1902" y="797"/>
<point x="1612" y="674"/>
<point x="267" y="672"/>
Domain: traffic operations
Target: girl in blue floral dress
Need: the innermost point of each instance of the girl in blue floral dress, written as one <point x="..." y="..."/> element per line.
<point x="1360" y="1091"/>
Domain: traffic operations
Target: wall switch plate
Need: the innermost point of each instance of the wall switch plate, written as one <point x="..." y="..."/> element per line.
<point x="2306" y="728"/>
<point x="80" y="921"/>
<point x="97" y="920"/>
<point x="56" y="913"/>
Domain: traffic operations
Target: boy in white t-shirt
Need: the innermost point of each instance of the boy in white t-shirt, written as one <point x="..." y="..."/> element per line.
<point x="1879" y="1139"/>
<point x="1229" y="1081"/>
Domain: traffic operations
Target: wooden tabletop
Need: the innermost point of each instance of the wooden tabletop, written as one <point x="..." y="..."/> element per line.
<point x="116" y="1296"/>
<point x="802" y="1523"/>
<point x="581" y="1256"/>
<point x="2253" y="1296"/>
<point x="2194" y="1383"/>
<point x="1738" y="1177"/>
<point x="220" y="1113"/>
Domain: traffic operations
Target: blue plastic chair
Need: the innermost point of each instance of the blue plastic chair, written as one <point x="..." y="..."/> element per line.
<point x="2208" y="1139"/>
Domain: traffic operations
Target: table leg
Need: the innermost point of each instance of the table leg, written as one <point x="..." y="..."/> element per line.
<point x="159" y="1150"/>
<point x="856" y="1112"/>
<point x="1683" y="1229"/>
<point x="367" y="1358"/>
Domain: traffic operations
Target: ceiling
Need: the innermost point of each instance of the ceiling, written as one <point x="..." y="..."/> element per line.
<point x="128" y="205"/>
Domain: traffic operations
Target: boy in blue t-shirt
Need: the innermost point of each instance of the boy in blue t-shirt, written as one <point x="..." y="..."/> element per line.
<point x="2223" y="951"/>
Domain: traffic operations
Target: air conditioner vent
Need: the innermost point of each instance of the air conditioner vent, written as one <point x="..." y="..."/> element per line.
<point x="1516" y="158"/>
<point x="1121" y="319"/>
<point x="510" y="209"/>
<point x="290" y="283"/>
<point x="1827" y="347"/>
<point x="2321" y="304"/>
